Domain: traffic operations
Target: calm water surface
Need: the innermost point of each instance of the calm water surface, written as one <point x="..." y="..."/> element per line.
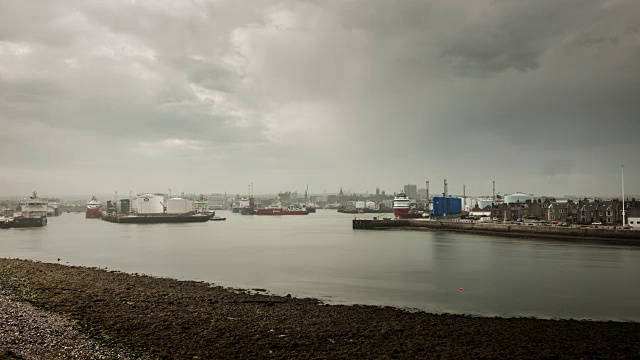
<point x="320" y="256"/>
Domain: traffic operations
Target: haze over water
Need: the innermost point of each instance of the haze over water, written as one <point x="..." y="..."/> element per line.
<point x="320" y="256"/>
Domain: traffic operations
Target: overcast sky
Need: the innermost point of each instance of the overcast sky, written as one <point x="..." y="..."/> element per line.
<point x="542" y="96"/>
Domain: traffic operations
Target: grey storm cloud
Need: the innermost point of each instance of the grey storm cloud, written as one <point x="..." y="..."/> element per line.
<point x="209" y="95"/>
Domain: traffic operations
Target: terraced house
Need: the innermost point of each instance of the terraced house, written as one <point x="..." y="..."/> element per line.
<point x="562" y="212"/>
<point x="606" y="212"/>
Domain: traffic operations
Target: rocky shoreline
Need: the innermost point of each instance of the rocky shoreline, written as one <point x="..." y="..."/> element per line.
<point x="116" y="315"/>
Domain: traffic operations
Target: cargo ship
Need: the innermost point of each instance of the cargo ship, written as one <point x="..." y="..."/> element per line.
<point x="94" y="209"/>
<point x="401" y="205"/>
<point x="277" y="209"/>
<point x="33" y="213"/>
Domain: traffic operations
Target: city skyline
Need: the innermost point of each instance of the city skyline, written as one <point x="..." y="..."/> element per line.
<point x="212" y="95"/>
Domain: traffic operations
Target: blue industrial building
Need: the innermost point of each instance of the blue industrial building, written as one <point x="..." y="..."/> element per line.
<point x="446" y="206"/>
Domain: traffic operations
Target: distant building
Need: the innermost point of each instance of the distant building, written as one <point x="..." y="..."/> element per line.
<point x="411" y="191"/>
<point x="422" y="193"/>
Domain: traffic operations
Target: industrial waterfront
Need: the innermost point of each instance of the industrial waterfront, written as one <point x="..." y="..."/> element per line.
<point x="320" y="256"/>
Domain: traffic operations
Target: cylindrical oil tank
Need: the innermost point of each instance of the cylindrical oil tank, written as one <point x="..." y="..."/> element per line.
<point x="179" y="206"/>
<point x="150" y="204"/>
<point x="483" y="203"/>
<point x="518" y="197"/>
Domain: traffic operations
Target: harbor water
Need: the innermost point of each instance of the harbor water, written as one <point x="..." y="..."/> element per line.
<point x="320" y="256"/>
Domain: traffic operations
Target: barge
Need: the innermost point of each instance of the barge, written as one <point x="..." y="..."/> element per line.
<point x="155" y="218"/>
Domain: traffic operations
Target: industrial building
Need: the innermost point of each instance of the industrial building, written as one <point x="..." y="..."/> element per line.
<point x="444" y="206"/>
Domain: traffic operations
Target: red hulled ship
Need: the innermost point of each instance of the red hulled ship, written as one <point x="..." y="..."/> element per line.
<point x="94" y="209"/>
<point x="401" y="205"/>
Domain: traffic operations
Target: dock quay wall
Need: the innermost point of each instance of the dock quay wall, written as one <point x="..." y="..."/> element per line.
<point x="629" y="236"/>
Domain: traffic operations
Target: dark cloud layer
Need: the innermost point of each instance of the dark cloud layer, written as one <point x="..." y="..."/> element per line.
<point x="208" y="96"/>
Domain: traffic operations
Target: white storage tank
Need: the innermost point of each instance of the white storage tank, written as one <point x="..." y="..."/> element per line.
<point x="483" y="203"/>
<point x="179" y="206"/>
<point x="518" y="197"/>
<point x="149" y="204"/>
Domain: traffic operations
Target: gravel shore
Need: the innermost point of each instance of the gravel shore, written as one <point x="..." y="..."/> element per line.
<point x="35" y="334"/>
<point x="167" y="318"/>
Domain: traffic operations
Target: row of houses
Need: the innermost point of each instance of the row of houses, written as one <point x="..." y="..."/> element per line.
<point x="607" y="212"/>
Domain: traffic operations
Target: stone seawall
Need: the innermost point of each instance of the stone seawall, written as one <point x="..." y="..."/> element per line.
<point x="626" y="236"/>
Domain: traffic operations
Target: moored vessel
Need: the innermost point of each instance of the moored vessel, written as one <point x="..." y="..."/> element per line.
<point x="249" y="209"/>
<point x="93" y="208"/>
<point x="33" y="213"/>
<point x="53" y="208"/>
<point x="239" y="205"/>
<point x="277" y="209"/>
<point x="150" y="208"/>
<point x="401" y="205"/>
<point x="155" y="218"/>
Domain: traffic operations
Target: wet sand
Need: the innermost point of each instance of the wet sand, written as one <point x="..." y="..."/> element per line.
<point x="167" y="318"/>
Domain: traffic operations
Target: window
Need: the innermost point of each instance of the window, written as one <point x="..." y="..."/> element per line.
<point x="609" y="220"/>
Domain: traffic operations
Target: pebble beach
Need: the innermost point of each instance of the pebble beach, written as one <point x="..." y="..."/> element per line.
<point x="54" y="311"/>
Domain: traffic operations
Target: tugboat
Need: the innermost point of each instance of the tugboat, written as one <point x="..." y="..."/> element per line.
<point x="33" y="213"/>
<point x="94" y="209"/>
<point x="401" y="205"/>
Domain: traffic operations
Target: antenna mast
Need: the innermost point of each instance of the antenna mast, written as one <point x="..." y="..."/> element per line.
<point x="623" y="211"/>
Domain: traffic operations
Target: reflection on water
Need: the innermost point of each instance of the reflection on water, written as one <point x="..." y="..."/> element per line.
<point x="319" y="255"/>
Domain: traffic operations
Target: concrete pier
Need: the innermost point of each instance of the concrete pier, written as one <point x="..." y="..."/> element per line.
<point x="575" y="232"/>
